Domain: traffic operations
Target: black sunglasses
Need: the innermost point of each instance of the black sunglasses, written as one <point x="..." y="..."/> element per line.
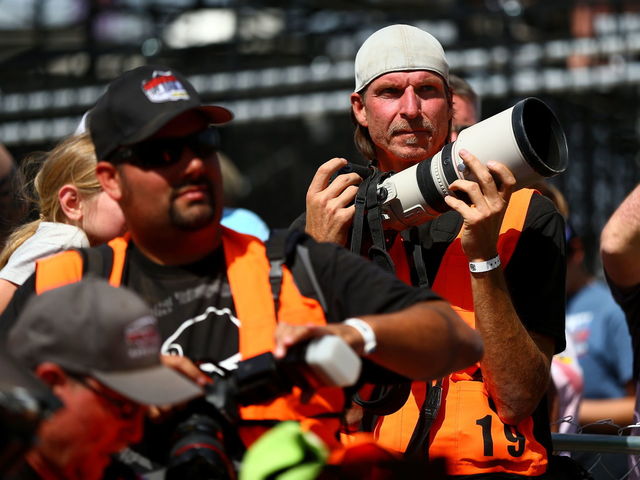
<point x="162" y="152"/>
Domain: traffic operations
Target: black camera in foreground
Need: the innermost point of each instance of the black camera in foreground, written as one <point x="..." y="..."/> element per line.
<point x="206" y="444"/>
<point x="527" y="138"/>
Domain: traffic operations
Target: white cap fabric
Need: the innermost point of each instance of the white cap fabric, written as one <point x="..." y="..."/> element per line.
<point x="82" y="125"/>
<point x="399" y="48"/>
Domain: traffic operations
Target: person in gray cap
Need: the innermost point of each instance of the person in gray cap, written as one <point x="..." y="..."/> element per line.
<point x="498" y="258"/>
<point x="98" y="348"/>
<point x="217" y="296"/>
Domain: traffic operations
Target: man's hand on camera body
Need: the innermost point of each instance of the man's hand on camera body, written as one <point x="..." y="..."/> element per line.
<point x="187" y="368"/>
<point x="330" y="204"/>
<point x="288" y="335"/>
<point x="489" y="197"/>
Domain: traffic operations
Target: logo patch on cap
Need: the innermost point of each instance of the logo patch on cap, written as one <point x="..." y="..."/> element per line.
<point x="142" y="338"/>
<point x="164" y="87"/>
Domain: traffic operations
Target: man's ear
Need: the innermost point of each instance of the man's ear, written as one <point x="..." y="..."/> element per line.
<point x="359" y="109"/>
<point x="51" y="374"/>
<point x="70" y="202"/>
<point x="108" y="176"/>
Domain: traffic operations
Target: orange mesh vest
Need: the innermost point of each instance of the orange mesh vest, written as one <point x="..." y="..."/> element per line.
<point x="248" y="275"/>
<point x="467" y="431"/>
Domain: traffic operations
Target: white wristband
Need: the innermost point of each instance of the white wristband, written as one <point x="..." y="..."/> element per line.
<point x="368" y="335"/>
<point x="480" y="267"/>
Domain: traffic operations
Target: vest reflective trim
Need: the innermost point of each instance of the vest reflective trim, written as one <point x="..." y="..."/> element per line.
<point x="467" y="431"/>
<point x="248" y="275"/>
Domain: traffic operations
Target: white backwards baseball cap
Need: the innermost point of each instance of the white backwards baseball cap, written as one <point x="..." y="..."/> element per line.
<point x="398" y="48"/>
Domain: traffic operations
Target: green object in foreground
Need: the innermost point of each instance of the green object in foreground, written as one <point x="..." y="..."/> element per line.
<point x="285" y="453"/>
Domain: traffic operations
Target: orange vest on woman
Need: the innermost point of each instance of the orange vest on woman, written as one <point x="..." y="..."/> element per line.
<point x="248" y="275"/>
<point x="467" y="431"/>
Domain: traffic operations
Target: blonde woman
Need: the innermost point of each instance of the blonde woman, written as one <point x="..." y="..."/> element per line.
<point x="73" y="212"/>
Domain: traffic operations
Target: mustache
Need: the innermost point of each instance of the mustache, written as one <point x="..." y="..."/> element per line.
<point x="195" y="182"/>
<point x="406" y="126"/>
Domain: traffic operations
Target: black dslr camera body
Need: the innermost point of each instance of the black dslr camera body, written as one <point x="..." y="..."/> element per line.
<point x="207" y="445"/>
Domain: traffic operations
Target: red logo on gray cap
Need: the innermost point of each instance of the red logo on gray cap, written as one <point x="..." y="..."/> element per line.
<point x="142" y="338"/>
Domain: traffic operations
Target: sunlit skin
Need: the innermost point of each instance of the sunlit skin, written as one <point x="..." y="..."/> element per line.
<point x="407" y="115"/>
<point x="102" y="218"/>
<point x="173" y="212"/>
<point x="76" y="442"/>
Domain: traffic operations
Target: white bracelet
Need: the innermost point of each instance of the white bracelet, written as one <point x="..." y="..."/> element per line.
<point x="480" y="267"/>
<point x="368" y="335"/>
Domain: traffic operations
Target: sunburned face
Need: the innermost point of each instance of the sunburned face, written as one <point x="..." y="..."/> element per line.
<point x="78" y="441"/>
<point x="185" y="195"/>
<point x="407" y="115"/>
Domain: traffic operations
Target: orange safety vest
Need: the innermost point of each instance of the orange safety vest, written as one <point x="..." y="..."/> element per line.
<point x="467" y="431"/>
<point x="248" y="275"/>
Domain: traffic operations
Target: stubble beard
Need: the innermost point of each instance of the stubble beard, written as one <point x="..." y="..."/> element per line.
<point x="193" y="216"/>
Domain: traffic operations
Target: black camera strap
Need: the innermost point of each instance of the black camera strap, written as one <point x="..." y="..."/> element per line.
<point x="418" y="445"/>
<point x="411" y="237"/>
<point x="97" y="261"/>
<point x="276" y="256"/>
<point x="369" y="208"/>
<point x="284" y="247"/>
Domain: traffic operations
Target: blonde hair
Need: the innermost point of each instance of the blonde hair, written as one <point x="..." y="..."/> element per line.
<point x="72" y="161"/>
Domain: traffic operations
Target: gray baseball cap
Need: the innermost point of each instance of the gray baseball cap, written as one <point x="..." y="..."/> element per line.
<point x="399" y="48"/>
<point x="108" y="333"/>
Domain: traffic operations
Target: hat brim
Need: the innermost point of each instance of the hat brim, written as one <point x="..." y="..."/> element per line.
<point x="215" y="114"/>
<point x="157" y="385"/>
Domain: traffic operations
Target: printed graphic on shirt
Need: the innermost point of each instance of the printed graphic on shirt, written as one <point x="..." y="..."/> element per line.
<point x="199" y="327"/>
<point x="164" y="87"/>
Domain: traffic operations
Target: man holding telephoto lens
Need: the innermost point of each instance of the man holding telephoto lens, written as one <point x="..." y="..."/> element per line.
<point x="497" y="257"/>
<point x="216" y="296"/>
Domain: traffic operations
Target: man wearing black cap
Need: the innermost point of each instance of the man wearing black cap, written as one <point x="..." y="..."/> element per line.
<point x="498" y="258"/>
<point x="210" y="287"/>
<point x="98" y="348"/>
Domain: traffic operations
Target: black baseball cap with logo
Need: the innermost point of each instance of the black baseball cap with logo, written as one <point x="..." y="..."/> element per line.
<point x="139" y="103"/>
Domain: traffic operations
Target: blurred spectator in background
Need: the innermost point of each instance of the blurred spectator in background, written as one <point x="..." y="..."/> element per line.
<point x="236" y="186"/>
<point x="599" y="332"/>
<point x="599" y="338"/>
<point x="620" y="250"/>
<point x="98" y="348"/>
<point x="73" y="211"/>
<point x="13" y="208"/>
<point x="466" y="105"/>
<point x="565" y="391"/>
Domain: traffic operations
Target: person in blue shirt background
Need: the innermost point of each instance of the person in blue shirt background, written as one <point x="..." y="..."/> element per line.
<point x="237" y="186"/>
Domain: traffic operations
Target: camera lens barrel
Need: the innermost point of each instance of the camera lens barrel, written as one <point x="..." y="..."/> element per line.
<point x="527" y="138"/>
